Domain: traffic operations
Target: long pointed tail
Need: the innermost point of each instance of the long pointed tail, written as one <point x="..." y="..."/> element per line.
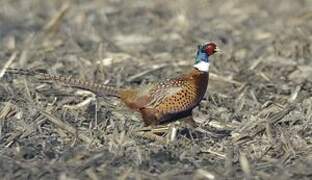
<point x="98" y="89"/>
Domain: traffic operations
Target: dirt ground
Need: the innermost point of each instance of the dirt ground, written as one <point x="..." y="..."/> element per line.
<point x="258" y="108"/>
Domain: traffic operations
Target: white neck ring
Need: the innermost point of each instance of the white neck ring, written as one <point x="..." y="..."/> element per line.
<point x="202" y="66"/>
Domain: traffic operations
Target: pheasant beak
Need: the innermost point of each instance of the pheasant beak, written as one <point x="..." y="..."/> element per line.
<point x="218" y="50"/>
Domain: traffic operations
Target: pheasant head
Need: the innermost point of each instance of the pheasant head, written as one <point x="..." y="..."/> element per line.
<point x="202" y="57"/>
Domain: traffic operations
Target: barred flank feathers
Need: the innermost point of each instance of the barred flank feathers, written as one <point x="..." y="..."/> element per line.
<point x="98" y="89"/>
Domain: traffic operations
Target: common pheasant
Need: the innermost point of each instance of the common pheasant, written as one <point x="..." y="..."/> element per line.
<point x="158" y="103"/>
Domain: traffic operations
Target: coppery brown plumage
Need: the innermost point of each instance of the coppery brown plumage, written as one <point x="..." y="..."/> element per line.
<point x="158" y="103"/>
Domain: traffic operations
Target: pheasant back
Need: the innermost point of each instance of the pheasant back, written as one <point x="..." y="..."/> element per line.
<point x="168" y="100"/>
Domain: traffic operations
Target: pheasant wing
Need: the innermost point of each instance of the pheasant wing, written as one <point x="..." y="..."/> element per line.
<point x="173" y="96"/>
<point x="160" y="95"/>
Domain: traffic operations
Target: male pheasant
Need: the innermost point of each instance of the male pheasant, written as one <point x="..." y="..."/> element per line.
<point x="160" y="102"/>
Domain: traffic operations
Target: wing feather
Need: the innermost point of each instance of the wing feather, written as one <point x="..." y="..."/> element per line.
<point x="172" y="96"/>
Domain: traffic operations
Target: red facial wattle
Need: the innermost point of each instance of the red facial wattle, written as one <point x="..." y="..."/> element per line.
<point x="210" y="48"/>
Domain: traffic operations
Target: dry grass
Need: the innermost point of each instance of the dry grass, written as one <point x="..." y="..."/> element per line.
<point x="258" y="109"/>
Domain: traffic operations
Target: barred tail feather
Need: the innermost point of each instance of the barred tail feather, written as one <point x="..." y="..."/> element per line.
<point x="98" y="89"/>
